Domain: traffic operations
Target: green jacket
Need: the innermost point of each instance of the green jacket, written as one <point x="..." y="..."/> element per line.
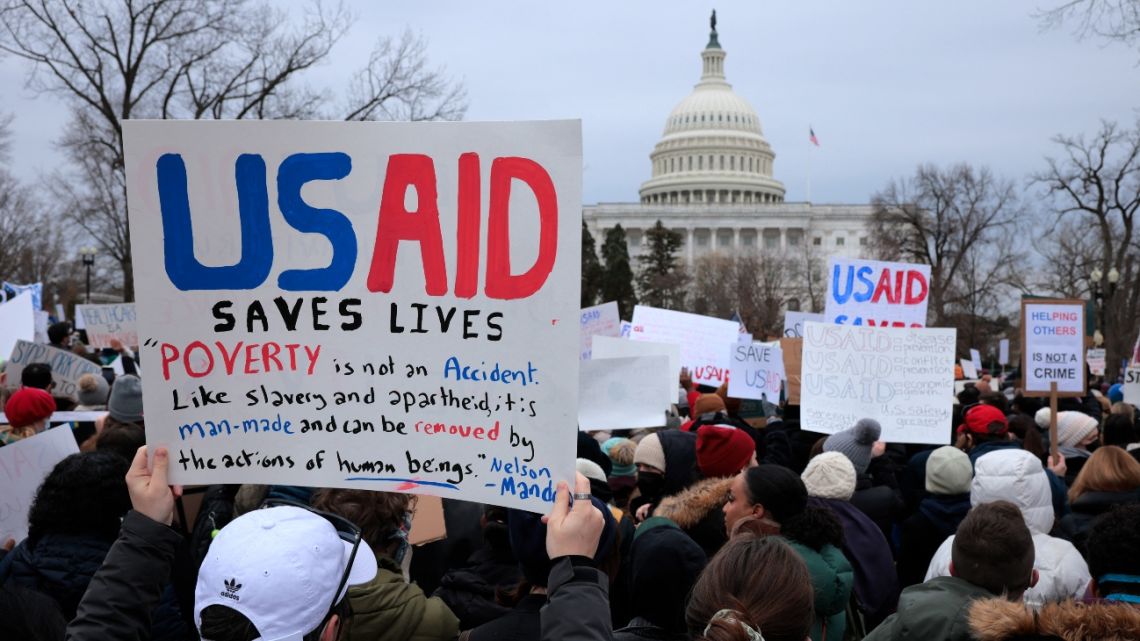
<point x="933" y="611"/>
<point x="390" y="609"/>
<point x="831" y="577"/>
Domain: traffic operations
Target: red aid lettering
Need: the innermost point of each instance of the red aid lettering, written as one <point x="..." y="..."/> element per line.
<point x="397" y="223"/>
<point x="228" y="358"/>
<point x="467" y="232"/>
<point x="915" y="278"/>
<point x="884" y="287"/>
<point x="501" y="284"/>
<point x="169" y="355"/>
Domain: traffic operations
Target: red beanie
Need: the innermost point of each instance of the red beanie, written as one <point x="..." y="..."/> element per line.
<point x="723" y="450"/>
<point x="28" y="405"/>
<point x="984" y="419"/>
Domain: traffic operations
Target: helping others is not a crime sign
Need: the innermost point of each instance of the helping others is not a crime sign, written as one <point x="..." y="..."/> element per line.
<point x="391" y="306"/>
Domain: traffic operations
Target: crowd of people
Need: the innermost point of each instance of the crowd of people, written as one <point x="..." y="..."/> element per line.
<point x="717" y="527"/>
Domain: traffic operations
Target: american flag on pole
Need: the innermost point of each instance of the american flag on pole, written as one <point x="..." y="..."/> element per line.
<point x="739" y="321"/>
<point x="811" y="136"/>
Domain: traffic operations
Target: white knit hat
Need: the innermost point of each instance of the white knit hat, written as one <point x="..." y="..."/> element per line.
<point x="830" y="476"/>
<point x="591" y="470"/>
<point x="1072" y="427"/>
<point x="649" y="452"/>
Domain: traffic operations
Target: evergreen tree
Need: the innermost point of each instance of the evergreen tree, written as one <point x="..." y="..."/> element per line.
<point x="617" y="281"/>
<point x="591" y="270"/>
<point x="661" y="278"/>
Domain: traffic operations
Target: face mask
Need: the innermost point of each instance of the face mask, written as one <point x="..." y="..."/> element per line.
<point x="401" y="535"/>
<point x="651" y="484"/>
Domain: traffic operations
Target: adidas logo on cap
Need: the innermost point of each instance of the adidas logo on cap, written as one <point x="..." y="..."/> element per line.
<point x="232" y="587"/>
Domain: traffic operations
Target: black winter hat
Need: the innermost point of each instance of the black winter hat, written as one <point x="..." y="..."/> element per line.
<point x="778" y="489"/>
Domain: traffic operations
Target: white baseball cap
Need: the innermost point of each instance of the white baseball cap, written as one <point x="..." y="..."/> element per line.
<point x="279" y="567"/>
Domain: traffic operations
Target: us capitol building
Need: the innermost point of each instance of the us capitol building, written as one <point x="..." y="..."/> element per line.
<point x="712" y="180"/>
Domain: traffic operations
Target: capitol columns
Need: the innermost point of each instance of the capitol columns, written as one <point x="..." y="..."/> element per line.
<point x="689" y="238"/>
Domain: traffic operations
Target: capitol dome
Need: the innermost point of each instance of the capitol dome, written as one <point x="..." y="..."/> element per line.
<point x="713" y="149"/>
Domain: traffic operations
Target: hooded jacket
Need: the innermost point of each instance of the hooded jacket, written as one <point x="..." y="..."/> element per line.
<point x="1074" y="527"/>
<point x="698" y="512"/>
<point x="831" y="577"/>
<point x="1000" y="620"/>
<point x="875" y="582"/>
<point x="1016" y="475"/>
<point x="680" y="450"/>
<point x="665" y="566"/>
<point x="387" y="608"/>
<point x="937" y="517"/>
<point x="937" y="609"/>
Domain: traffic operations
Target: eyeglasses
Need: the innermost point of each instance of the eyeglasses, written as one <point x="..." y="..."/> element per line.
<point x="346" y="530"/>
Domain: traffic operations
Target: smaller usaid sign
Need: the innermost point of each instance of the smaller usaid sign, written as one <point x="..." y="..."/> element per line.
<point x="879" y="294"/>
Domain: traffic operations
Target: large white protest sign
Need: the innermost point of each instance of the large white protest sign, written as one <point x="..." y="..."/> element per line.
<point x="976" y="359"/>
<point x="66" y="368"/>
<point x="17" y="322"/>
<point x="105" y="323"/>
<point x="901" y="377"/>
<point x="794" y="323"/>
<point x="1097" y="361"/>
<point x="23" y="467"/>
<point x="756" y="371"/>
<point x="622" y="393"/>
<point x="1132" y="385"/>
<point x="871" y="292"/>
<point x="388" y="306"/>
<point x="1003" y="351"/>
<point x="1053" y="346"/>
<point x="968" y="369"/>
<point x="609" y="348"/>
<point x="704" y="340"/>
<point x="599" y="320"/>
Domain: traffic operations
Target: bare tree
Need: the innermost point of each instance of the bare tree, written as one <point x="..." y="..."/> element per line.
<point x="960" y="221"/>
<point x="114" y="60"/>
<point x="1094" y="187"/>
<point x="1110" y="20"/>
<point x="755" y="285"/>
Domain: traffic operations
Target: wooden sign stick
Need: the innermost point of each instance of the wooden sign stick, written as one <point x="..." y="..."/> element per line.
<point x="1053" y="421"/>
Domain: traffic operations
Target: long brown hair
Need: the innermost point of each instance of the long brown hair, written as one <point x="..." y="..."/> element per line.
<point x="765" y="585"/>
<point x="1109" y="469"/>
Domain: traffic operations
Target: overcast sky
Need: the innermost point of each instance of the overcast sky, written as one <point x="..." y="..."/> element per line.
<point x="885" y="84"/>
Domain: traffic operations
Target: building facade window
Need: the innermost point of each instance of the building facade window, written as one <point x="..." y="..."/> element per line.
<point x="817" y="241"/>
<point x="840" y="241"/>
<point x="862" y="241"/>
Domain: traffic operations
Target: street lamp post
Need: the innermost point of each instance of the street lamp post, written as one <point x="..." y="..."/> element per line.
<point x="88" y="256"/>
<point x="1095" y="280"/>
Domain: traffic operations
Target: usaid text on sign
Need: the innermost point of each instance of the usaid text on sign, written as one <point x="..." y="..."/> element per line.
<point x="378" y="305"/>
<point x="878" y="294"/>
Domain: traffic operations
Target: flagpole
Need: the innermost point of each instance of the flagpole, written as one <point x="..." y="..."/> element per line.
<point x="810" y="154"/>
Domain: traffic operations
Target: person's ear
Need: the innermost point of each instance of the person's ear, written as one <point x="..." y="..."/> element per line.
<point x="1035" y="577"/>
<point x="758" y="511"/>
<point x="332" y="629"/>
<point x="952" y="573"/>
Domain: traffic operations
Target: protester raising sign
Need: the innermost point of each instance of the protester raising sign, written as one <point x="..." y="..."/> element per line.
<point x="704" y="340"/>
<point x="901" y="377"/>
<point x="757" y="371"/>
<point x="387" y="306"/>
<point x="105" y="323"/>
<point x="1052" y="346"/>
<point x="66" y="368"/>
<point x="869" y="292"/>
<point x="599" y="320"/>
<point x="23" y="467"/>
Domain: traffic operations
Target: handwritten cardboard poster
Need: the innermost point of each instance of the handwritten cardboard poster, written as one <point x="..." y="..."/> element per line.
<point x="901" y="377"/>
<point x="390" y="306"/>
<point x="66" y="368"/>
<point x="23" y="467"/>
<point x="17" y="322"/>
<point x="757" y="371"/>
<point x="623" y="393"/>
<point x="105" y="323"/>
<point x="1053" y="346"/>
<point x="704" y="340"/>
<point x="599" y="320"/>
<point x="881" y="294"/>
<point x="792" y="349"/>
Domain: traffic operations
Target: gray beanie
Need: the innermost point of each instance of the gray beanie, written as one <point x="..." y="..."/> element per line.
<point x="126" y="404"/>
<point x="93" y="390"/>
<point x="855" y="443"/>
<point x="949" y="471"/>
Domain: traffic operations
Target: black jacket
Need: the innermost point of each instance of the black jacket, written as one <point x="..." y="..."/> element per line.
<point x="128" y="586"/>
<point x="937" y="517"/>
<point x="578" y="603"/>
<point x="58" y="565"/>
<point x="521" y="623"/>
<point x="880" y="503"/>
<point x="470" y="590"/>
<point x="1074" y="527"/>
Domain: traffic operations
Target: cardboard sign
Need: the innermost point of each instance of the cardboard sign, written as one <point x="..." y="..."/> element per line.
<point x="792" y="349"/>
<point x="1132" y="385"/>
<point x="757" y="371"/>
<point x="599" y="320"/>
<point x="428" y="522"/>
<point x="623" y="393"/>
<point x="794" y="323"/>
<point x="704" y="340"/>
<point x="66" y="368"/>
<point x="23" y="467"/>
<point x="610" y="348"/>
<point x="385" y="306"/>
<point x="1097" y="361"/>
<point x="1003" y="351"/>
<point x="976" y="360"/>
<point x="900" y="377"/>
<point x="968" y="370"/>
<point x="1053" y="346"/>
<point x="17" y="322"/>
<point x="105" y="323"/>
<point x="871" y="292"/>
